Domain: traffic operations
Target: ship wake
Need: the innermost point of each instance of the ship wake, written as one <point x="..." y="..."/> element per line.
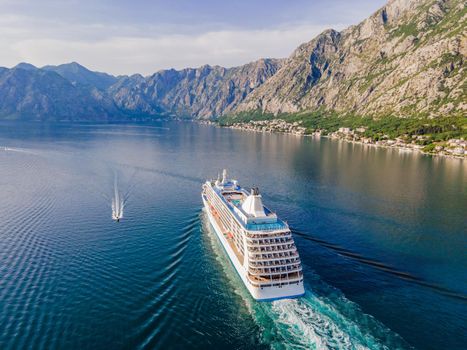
<point x="318" y="321"/>
<point x="118" y="202"/>
<point x="322" y="319"/>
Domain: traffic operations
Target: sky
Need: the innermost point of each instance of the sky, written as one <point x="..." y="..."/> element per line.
<point x="144" y="36"/>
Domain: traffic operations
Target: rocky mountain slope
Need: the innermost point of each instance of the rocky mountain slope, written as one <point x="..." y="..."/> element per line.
<point x="27" y="92"/>
<point x="79" y="75"/>
<point x="407" y="59"/>
<point x="203" y="92"/>
<point x="71" y="91"/>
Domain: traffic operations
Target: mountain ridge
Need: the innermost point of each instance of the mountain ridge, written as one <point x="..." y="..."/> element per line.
<point x="78" y="74"/>
<point x="406" y="60"/>
<point x="191" y="92"/>
<point x="396" y="62"/>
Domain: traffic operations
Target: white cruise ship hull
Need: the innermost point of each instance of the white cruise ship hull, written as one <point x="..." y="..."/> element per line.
<point x="258" y="293"/>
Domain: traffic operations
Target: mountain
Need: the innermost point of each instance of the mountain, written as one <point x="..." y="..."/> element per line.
<point x="37" y="94"/>
<point x="408" y="59"/>
<point x="130" y="95"/>
<point x="26" y="66"/>
<point x="71" y="91"/>
<point x="203" y="92"/>
<point x="79" y="75"/>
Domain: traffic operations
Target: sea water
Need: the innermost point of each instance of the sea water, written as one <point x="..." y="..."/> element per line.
<point x="381" y="235"/>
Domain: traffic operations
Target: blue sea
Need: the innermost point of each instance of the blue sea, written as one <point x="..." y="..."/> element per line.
<point x="382" y="235"/>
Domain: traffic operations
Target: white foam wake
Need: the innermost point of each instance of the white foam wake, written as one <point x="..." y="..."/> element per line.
<point x="326" y="320"/>
<point x="15" y="149"/>
<point x="302" y="326"/>
<point x="322" y="322"/>
<point x="117" y="202"/>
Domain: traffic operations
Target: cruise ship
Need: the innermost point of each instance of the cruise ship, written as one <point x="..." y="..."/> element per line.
<point x="259" y="244"/>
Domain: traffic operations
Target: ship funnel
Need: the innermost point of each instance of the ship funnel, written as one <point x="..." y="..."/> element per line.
<point x="253" y="204"/>
<point x="224" y="176"/>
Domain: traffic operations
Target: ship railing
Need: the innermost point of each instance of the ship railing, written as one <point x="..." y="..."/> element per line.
<point x="291" y="265"/>
<point x="274" y="255"/>
<point x="272" y="248"/>
<point x="283" y="261"/>
<point x="284" y="267"/>
<point x="269" y="241"/>
<point x="274" y="275"/>
<point x="282" y="250"/>
<point x="274" y="263"/>
<point x="270" y="256"/>
<point x="276" y="284"/>
<point x="263" y="234"/>
<point x="275" y="270"/>
<point x="252" y="229"/>
<point x="272" y="270"/>
<point x="295" y="276"/>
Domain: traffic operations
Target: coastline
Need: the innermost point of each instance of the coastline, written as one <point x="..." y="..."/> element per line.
<point x="344" y="134"/>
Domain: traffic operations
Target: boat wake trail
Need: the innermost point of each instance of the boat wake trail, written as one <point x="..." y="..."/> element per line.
<point x="316" y="322"/>
<point x="298" y="320"/>
<point x="382" y="267"/>
<point x="322" y="319"/>
<point x="131" y="185"/>
<point x="18" y="150"/>
<point x="118" y="202"/>
<point x="11" y="149"/>
<point x="322" y="322"/>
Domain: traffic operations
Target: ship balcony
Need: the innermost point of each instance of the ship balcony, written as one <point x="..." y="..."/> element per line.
<point x="285" y="277"/>
<point x="283" y="248"/>
<point x="273" y="256"/>
<point x="274" y="263"/>
<point x="269" y="241"/>
<point x="275" y="270"/>
<point x="269" y="234"/>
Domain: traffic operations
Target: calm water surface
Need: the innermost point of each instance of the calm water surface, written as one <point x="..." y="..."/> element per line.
<point x="382" y="237"/>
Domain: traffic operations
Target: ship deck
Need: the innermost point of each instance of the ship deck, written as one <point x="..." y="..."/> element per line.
<point x="227" y="235"/>
<point x="235" y="198"/>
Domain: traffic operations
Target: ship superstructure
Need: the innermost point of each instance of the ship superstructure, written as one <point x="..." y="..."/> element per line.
<point x="258" y="243"/>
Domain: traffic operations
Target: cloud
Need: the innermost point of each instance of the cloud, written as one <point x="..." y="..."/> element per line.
<point x="143" y="36"/>
<point x="145" y="49"/>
